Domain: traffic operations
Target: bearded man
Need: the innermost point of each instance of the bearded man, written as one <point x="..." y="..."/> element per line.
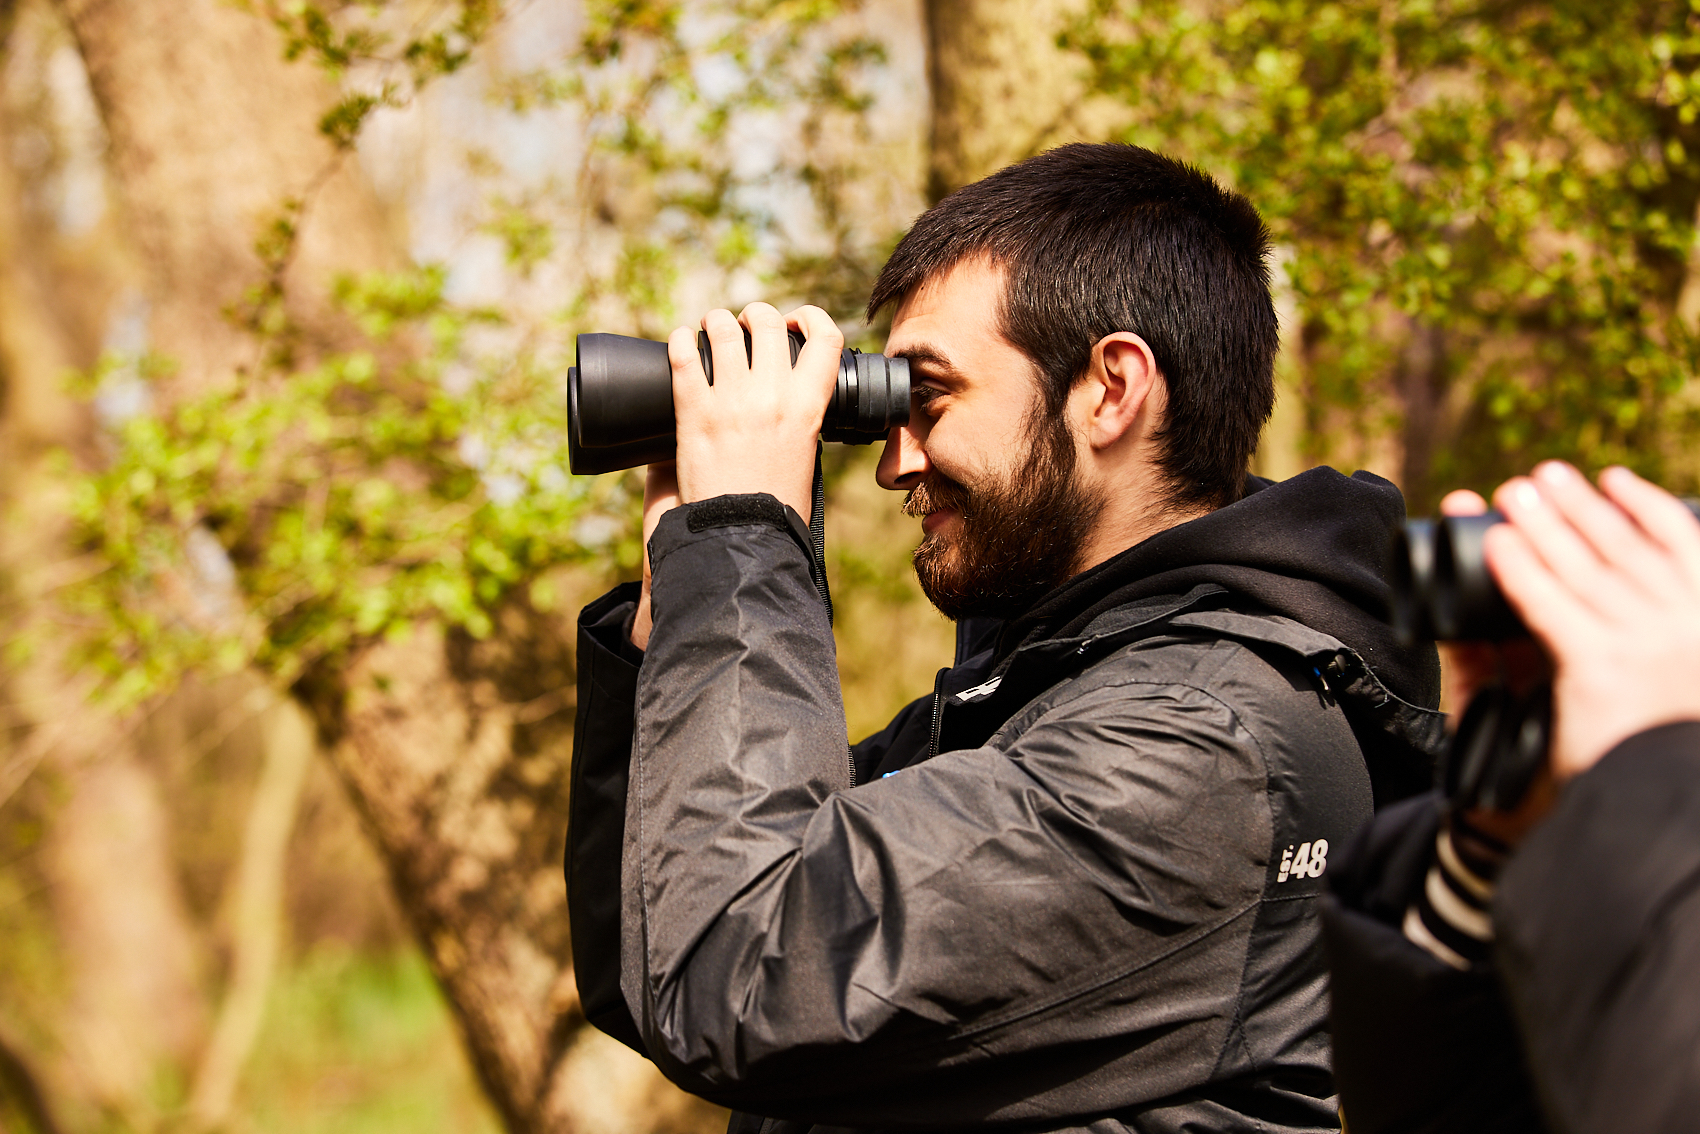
<point x="1076" y="887"/>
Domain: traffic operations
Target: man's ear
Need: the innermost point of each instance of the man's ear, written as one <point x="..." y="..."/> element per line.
<point x="1124" y="389"/>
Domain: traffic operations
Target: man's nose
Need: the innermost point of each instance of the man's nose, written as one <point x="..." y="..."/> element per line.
<point x="904" y="460"/>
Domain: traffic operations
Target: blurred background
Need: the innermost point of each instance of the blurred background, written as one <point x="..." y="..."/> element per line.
<point x="289" y="556"/>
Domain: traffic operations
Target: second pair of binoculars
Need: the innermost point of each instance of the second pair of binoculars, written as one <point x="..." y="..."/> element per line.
<point x="620" y="400"/>
<point x="1442" y="588"/>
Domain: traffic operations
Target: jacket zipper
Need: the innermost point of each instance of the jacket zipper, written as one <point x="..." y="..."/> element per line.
<point x="938" y="713"/>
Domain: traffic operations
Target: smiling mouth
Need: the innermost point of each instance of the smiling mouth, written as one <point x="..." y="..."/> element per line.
<point x="934" y="520"/>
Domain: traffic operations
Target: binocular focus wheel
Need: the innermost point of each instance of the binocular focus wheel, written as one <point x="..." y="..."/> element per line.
<point x="1499" y="748"/>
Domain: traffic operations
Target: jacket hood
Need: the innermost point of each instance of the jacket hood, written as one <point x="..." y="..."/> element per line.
<point x="1312" y="548"/>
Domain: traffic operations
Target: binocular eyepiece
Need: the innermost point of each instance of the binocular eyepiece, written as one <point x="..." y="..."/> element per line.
<point x="1442" y="588"/>
<point x="620" y="400"/>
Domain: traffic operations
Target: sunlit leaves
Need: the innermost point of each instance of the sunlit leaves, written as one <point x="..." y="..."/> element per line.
<point x="383" y="37"/>
<point x="668" y="95"/>
<point x="527" y="238"/>
<point x="415" y="470"/>
<point x="352" y="500"/>
<point x="1518" y="177"/>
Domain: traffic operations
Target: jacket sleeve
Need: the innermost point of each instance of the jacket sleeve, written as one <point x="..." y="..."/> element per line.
<point x="1598" y="921"/>
<point x="1418" y="1046"/>
<point x="992" y="935"/>
<point x="602" y="747"/>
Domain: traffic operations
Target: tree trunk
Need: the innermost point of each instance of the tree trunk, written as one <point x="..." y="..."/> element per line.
<point x="127" y="946"/>
<point x="212" y="135"/>
<point x="1002" y="90"/>
<point x="127" y="938"/>
<point x="1421" y="378"/>
<point x="454" y="753"/>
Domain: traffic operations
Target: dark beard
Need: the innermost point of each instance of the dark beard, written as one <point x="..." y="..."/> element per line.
<point x="1016" y="538"/>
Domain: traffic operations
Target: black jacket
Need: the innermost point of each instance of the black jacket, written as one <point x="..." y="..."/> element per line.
<point x="1074" y="889"/>
<point x="1588" y="1019"/>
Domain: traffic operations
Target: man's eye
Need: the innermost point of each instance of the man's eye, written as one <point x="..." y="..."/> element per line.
<point x="925" y="396"/>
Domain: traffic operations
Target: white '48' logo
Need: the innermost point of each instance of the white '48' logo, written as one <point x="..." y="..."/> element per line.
<point x="1310" y="862"/>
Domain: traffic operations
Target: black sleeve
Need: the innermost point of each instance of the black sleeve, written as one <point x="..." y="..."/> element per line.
<point x="608" y="665"/>
<point x="1418" y="1045"/>
<point x="1598" y="918"/>
<point x="806" y="949"/>
<point x="602" y="748"/>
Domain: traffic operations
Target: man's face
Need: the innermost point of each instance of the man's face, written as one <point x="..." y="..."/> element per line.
<point x="992" y="475"/>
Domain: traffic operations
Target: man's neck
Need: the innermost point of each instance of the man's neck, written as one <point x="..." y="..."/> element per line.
<point x="1119" y="529"/>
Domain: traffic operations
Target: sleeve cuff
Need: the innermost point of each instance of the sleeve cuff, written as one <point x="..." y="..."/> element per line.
<point x="1449" y="917"/>
<point x="684" y="524"/>
<point x="606" y="626"/>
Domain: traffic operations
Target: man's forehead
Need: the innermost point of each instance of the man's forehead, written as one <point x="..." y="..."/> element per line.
<point x="953" y="307"/>
<point x="951" y="330"/>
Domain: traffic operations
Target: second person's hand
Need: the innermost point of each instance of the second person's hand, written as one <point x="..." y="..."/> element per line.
<point x="1609" y="584"/>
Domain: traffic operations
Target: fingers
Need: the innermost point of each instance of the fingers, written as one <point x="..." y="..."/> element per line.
<point x="1568" y="549"/>
<point x="1462" y="502"/>
<point x="825" y="342"/>
<point x="726" y="346"/>
<point x="769" y="344"/>
<point x="1608" y="586"/>
<point x="1611" y="533"/>
<point x="1544" y="599"/>
<point x="756" y="429"/>
<point x="691" y="385"/>
<point x="689" y="381"/>
<point x="1665" y="519"/>
<point x="1636" y="561"/>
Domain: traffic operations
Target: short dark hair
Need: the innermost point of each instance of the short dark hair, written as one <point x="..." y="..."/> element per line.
<point x="1102" y="238"/>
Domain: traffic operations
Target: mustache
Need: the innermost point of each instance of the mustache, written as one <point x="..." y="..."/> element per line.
<point x="933" y="493"/>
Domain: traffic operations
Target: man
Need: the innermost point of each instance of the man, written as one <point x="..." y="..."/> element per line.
<point x="1535" y="970"/>
<point x="1075" y="888"/>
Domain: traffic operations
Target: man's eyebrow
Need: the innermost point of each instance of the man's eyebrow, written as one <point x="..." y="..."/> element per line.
<point x="931" y="356"/>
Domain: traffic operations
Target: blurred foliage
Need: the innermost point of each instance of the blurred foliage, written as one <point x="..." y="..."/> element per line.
<point x="313" y="504"/>
<point x="361" y="1045"/>
<point x="672" y="97"/>
<point x="346" y="34"/>
<point x="1515" y="179"/>
<point x="349" y="500"/>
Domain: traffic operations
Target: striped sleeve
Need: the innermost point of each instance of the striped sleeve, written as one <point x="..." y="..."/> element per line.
<point x="1449" y="918"/>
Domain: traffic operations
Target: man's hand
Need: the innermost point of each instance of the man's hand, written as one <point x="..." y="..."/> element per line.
<point x="660" y="495"/>
<point x="754" y="430"/>
<point x="1610" y="587"/>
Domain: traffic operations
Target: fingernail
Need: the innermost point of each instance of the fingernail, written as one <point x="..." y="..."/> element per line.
<point x="1526" y="495"/>
<point x="1555" y="472"/>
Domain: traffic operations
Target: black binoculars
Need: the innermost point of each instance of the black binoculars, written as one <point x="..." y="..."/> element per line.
<point x="1442" y="589"/>
<point x="620" y="400"/>
<point x="1498" y="749"/>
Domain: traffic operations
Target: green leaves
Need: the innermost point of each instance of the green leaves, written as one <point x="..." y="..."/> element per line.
<point x="321" y="501"/>
<point x="1514" y="177"/>
<point x="349" y="500"/>
<point x="341" y="36"/>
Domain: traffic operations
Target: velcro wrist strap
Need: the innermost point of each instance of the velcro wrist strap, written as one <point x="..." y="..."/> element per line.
<point x="743" y="508"/>
<point x="730" y="511"/>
